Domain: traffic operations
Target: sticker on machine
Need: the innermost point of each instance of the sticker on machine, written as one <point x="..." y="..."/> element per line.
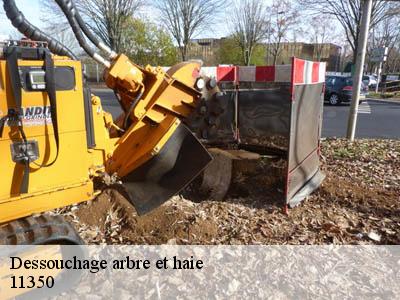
<point x="31" y="116"/>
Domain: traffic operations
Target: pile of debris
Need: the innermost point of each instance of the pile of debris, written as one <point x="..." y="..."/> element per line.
<point x="358" y="203"/>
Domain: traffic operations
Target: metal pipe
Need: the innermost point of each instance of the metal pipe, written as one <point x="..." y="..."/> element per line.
<point x="357" y="80"/>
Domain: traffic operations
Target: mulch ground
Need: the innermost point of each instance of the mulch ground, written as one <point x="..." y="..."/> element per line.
<point x="358" y="203"/>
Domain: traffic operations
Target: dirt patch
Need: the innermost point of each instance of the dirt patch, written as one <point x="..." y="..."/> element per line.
<point x="175" y="222"/>
<point x="358" y="203"/>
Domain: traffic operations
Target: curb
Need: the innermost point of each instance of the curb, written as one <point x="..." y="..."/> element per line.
<point x="384" y="100"/>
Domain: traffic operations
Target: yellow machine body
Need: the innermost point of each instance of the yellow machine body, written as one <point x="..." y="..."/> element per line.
<point x="166" y="99"/>
<point x="68" y="180"/>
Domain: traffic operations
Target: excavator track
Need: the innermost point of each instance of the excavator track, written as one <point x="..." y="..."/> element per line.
<point x="30" y="233"/>
<point x="39" y="230"/>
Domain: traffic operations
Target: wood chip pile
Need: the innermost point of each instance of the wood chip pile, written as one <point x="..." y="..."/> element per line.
<point x="358" y="203"/>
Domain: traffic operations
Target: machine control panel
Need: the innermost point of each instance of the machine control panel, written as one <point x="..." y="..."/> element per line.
<point x="25" y="151"/>
<point x="37" y="80"/>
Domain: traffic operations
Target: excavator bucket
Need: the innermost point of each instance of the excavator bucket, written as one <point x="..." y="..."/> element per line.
<point x="181" y="159"/>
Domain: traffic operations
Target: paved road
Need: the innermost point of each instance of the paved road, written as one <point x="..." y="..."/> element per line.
<point x="108" y="101"/>
<point x="376" y="119"/>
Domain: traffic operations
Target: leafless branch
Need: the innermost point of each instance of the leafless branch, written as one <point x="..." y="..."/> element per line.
<point x="186" y="18"/>
<point x="348" y="13"/>
<point x="283" y="19"/>
<point x="106" y="18"/>
<point x="249" y="26"/>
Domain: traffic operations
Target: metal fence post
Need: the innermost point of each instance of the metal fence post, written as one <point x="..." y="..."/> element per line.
<point x="357" y="78"/>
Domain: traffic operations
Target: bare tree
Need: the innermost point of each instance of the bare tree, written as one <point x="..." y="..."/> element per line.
<point x="321" y="31"/>
<point x="106" y="18"/>
<point x="65" y="36"/>
<point x="250" y="26"/>
<point x="393" y="62"/>
<point x="348" y="13"/>
<point x="386" y="34"/>
<point x="185" y="18"/>
<point x="283" y="19"/>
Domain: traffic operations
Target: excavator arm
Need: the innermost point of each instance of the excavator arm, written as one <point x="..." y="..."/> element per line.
<point x="157" y="155"/>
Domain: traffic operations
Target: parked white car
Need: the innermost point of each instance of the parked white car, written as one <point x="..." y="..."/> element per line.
<point x="370" y="80"/>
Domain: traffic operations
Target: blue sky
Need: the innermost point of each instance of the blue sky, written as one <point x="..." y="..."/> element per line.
<point x="31" y="10"/>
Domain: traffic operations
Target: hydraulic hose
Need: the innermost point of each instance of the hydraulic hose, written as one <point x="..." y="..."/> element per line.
<point x="111" y="53"/>
<point x="32" y="32"/>
<point x="99" y="44"/>
<point x="78" y="33"/>
<point x="132" y="106"/>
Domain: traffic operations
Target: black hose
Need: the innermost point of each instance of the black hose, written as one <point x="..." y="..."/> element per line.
<point x="32" y="32"/>
<point x="75" y="27"/>
<point x="131" y="107"/>
<point x="87" y="32"/>
<point x="66" y="8"/>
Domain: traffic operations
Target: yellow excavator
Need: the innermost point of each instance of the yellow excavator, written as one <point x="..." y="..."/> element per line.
<point x="58" y="146"/>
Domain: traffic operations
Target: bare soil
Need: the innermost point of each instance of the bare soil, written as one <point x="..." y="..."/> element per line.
<point x="358" y="203"/>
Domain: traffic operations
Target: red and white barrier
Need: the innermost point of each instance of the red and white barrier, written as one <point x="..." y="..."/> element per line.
<point x="308" y="72"/>
<point x="300" y="72"/>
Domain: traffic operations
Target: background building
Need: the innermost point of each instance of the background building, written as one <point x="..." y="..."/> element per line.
<point x="326" y="52"/>
<point x="207" y="50"/>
